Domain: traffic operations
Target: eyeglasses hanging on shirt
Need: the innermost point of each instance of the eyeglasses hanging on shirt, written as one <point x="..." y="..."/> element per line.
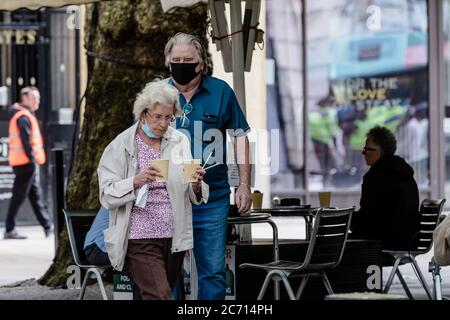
<point x="187" y="108"/>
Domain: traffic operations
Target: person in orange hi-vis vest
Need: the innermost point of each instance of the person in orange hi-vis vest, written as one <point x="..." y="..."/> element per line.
<point x="26" y="151"/>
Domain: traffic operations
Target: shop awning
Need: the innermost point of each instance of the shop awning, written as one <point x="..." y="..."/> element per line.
<point x="169" y="4"/>
<point x="36" y="4"/>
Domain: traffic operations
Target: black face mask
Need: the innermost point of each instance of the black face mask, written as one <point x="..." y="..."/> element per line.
<point x="183" y="73"/>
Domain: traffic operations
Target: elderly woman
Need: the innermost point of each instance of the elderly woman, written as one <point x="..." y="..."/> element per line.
<point x="151" y="236"/>
<point x="389" y="195"/>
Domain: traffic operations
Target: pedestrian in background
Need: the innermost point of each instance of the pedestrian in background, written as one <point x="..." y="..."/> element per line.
<point x="26" y="152"/>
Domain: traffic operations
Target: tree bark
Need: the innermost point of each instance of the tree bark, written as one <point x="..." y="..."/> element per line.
<point x="125" y="42"/>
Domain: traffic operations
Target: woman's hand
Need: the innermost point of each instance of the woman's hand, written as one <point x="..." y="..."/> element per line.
<point x="147" y="175"/>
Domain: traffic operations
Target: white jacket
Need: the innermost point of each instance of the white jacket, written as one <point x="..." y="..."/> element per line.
<point x="117" y="167"/>
<point x="441" y="239"/>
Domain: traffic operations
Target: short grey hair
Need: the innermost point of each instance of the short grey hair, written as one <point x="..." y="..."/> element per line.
<point x="27" y="90"/>
<point x="183" y="38"/>
<point x="157" y="92"/>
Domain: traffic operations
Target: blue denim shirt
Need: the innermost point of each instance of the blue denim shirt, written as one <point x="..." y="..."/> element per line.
<point x="95" y="234"/>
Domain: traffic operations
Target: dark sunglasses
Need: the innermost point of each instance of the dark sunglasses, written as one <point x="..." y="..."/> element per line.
<point x="365" y="149"/>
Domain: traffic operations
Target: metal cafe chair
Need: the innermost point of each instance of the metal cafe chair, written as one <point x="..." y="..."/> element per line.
<point x="430" y="211"/>
<point x="325" y="250"/>
<point x="78" y="223"/>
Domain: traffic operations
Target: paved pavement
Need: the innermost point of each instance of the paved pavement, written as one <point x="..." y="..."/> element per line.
<point x="22" y="262"/>
<point x="26" y="259"/>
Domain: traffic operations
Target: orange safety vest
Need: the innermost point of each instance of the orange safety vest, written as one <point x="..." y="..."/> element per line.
<point x="16" y="154"/>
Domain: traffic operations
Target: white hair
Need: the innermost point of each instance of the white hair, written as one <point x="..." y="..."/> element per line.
<point x="158" y="92"/>
<point x="181" y="39"/>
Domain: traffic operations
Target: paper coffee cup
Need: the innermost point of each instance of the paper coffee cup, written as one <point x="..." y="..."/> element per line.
<point x="163" y="166"/>
<point x="325" y="199"/>
<point x="190" y="166"/>
<point x="257" y="200"/>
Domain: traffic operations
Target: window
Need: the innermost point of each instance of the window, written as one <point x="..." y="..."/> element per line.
<point x="367" y="65"/>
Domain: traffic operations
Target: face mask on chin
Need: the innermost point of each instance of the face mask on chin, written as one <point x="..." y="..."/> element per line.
<point x="148" y="131"/>
<point x="183" y="73"/>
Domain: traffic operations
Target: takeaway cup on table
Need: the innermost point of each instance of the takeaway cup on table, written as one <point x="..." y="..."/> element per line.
<point x="325" y="199"/>
<point x="257" y="199"/>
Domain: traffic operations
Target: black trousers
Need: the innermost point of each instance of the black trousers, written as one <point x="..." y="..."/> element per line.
<point x="26" y="185"/>
<point x="96" y="256"/>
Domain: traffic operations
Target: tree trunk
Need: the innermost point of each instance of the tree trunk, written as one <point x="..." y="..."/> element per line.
<point x="125" y="42"/>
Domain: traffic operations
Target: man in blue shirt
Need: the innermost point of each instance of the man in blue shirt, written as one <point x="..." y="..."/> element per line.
<point x="94" y="243"/>
<point x="210" y="110"/>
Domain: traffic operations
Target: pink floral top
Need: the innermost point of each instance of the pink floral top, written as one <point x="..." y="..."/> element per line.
<point x="156" y="219"/>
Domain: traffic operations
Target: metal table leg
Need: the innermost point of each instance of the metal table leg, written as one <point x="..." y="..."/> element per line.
<point x="308" y="227"/>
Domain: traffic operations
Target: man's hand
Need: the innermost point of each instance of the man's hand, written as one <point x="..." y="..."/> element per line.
<point x="197" y="186"/>
<point x="243" y="198"/>
<point x="243" y="194"/>
<point x="199" y="174"/>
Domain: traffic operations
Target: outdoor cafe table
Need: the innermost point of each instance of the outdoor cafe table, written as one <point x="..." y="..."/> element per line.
<point x="304" y="211"/>
<point x="349" y="276"/>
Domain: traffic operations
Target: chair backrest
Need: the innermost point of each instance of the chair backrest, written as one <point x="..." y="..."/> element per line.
<point x="328" y="238"/>
<point x="78" y="223"/>
<point x="430" y="211"/>
<point x="290" y="202"/>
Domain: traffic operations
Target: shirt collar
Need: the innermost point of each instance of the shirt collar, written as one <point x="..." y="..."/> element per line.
<point x="205" y="84"/>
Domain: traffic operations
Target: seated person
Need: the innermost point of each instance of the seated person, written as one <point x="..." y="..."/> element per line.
<point x="389" y="196"/>
<point x="441" y="239"/>
<point x="94" y="244"/>
<point x="95" y="248"/>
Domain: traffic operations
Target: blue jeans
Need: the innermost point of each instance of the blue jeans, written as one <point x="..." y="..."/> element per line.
<point x="210" y="233"/>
